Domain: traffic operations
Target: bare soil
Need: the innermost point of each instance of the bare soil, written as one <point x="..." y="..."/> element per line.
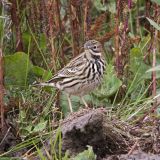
<point x="110" y="138"/>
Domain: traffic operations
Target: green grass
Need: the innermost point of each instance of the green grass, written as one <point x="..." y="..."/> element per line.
<point x="39" y="114"/>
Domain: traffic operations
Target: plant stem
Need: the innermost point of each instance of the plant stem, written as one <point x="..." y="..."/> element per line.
<point x="1" y="90"/>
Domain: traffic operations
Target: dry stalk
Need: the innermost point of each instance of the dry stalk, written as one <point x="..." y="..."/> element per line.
<point x="51" y="33"/>
<point x="117" y="46"/>
<point x="74" y="11"/>
<point x="87" y="6"/>
<point x="58" y="24"/>
<point x="155" y="36"/>
<point x="16" y="22"/>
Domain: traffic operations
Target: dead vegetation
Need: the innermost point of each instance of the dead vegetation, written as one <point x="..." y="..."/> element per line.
<point x="110" y="138"/>
<point x="52" y="32"/>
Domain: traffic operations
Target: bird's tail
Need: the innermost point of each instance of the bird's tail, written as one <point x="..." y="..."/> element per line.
<point x="43" y="84"/>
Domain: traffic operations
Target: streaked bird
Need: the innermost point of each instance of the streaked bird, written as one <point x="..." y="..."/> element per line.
<point x="82" y="75"/>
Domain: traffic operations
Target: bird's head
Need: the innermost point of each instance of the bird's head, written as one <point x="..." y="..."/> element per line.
<point x="94" y="47"/>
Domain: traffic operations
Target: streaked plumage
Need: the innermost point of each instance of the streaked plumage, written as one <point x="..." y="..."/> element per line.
<point x="83" y="74"/>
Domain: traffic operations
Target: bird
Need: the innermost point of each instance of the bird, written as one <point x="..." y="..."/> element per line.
<point x="82" y="74"/>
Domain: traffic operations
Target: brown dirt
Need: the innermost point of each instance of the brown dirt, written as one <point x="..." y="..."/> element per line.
<point x="111" y="139"/>
<point x="91" y="127"/>
<point x="8" y="139"/>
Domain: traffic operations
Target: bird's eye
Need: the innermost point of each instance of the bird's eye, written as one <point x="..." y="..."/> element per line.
<point x="95" y="47"/>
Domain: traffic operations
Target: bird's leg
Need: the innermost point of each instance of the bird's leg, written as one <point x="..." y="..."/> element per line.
<point x="86" y="105"/>
<point x="69" y="102"/>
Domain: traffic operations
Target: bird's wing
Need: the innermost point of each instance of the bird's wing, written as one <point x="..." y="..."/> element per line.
<point x="71" y="69"/>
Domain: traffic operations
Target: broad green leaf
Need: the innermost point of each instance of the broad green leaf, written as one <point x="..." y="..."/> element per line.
<point x="137" y="65"/>
<point x="154" y="24"/>
<point x="19" y="71"/>
<point x="17" y="68"/>
<point x="138" y="73"/>
<point x="156" y="1"/>
<point x="26" y="38"/>
<point x="86" y="155"/>
<point x="110" y="84"/>
<point x="39" y="71"/>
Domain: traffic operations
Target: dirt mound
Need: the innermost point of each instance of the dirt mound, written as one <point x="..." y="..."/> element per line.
<point x="91" y="127"/>
<point x="109" y="136"/>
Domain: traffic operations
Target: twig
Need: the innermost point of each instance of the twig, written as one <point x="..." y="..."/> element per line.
<point x="8" y="130"/>
<point x="133" y="148"/>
